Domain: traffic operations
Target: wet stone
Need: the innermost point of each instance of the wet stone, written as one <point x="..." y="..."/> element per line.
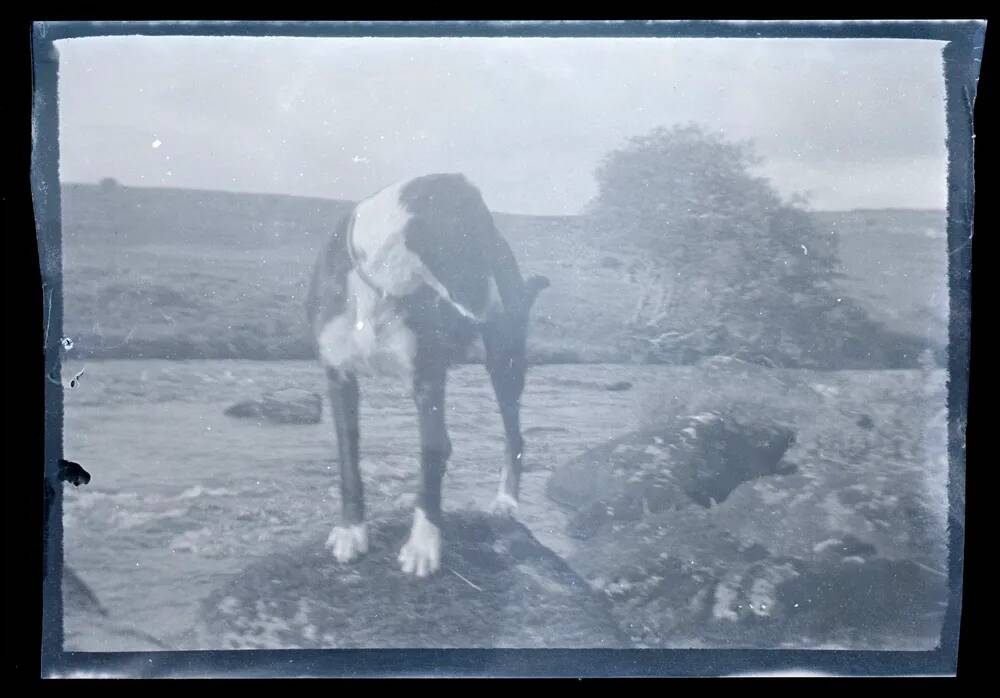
<point x="497" y="587"/>
<point x="289" y="406"/>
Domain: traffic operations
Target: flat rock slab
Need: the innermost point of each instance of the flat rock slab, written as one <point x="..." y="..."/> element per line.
<point x="498" y="587"/>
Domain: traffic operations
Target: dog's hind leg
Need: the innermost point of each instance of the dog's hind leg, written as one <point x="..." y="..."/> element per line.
<point x="506" y="364"/>
<point x="421" y="555"/>
<point x="349" y="540"/>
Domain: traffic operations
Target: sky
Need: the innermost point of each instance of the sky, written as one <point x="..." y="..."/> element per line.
<point x="848" y="123"/>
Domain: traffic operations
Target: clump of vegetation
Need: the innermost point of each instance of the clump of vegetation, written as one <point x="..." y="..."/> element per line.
<point x="728" y="266"/>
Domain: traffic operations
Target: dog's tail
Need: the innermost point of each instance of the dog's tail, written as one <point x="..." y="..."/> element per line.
<point x="516" y="293"/>
<point x="533" y="286"/>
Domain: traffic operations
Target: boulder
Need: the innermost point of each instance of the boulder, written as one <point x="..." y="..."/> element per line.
<point x="288" y="406"/>
<point x="89" y="627"/>
<point x="246" y="409"/>
<point x="497" y="587"/>
<point x="700" y="459"/>
<point x="618" y="386"/>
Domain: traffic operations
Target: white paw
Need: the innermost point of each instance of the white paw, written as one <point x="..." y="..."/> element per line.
<point x="348" y="542"/>
<point x="422" y="553"/>
<point x="504" y="505"/>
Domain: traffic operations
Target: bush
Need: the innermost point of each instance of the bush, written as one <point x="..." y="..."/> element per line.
<point x="728" y="267"/>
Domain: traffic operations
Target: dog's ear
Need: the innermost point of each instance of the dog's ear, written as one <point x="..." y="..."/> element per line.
<point x="532" y="287"/>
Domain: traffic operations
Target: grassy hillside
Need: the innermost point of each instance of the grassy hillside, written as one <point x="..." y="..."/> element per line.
<point x="895" y="263"/>
<point x="172" y="273"/>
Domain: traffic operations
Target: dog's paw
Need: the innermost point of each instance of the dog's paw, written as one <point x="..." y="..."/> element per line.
<point x="422" y="553"/>
<point x="504" y="505"/>
<point x="348" y="542"/>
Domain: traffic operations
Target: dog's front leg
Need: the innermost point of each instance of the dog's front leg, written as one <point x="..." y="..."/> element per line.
<point x="349" y="540"/>
<point x="421" y="555"/>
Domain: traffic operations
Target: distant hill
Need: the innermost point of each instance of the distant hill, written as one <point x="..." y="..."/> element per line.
<point x="136" y="216"/>
<point x="175" y="273"/>
<point x="895" y="263"/>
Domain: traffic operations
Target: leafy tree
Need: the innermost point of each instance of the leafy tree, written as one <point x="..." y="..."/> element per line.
<point x="726" y="266"/>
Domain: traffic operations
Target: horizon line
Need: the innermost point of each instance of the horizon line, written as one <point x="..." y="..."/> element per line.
<point x="97" y="184"/>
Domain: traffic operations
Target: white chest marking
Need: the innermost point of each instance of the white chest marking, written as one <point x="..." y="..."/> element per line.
<point x="377" y="236"/>
<point x="370" y="337"/>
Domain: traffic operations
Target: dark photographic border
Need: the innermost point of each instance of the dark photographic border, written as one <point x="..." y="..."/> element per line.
<point x="962" y="56"/>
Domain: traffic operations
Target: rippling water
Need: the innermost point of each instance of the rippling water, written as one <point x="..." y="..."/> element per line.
<point x="183" y="495"/>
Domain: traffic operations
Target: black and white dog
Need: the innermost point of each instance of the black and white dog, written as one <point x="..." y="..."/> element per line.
<point x="409" y="278"/>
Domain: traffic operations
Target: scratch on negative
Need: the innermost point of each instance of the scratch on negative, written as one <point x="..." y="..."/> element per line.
<point x="959" y="248"/>
<point x="477" y="588"/>
<point x="125" y="341"/>
<point x="48" y="320"/>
